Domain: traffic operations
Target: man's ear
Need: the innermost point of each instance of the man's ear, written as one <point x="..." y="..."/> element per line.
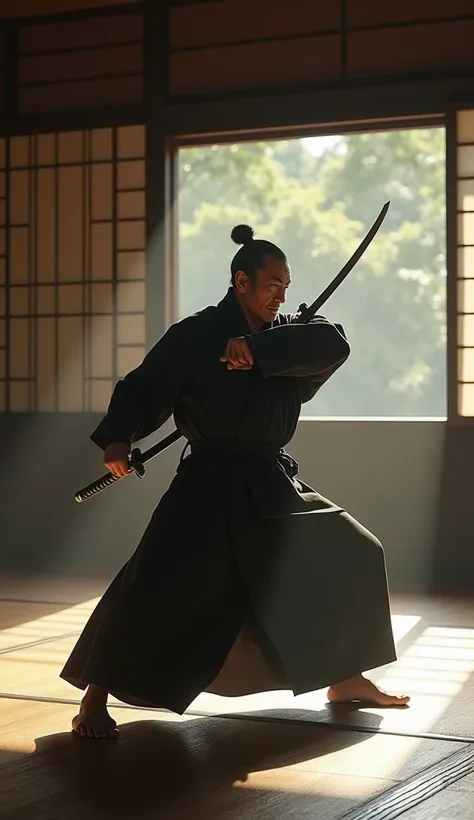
<point x="241" y="281"/>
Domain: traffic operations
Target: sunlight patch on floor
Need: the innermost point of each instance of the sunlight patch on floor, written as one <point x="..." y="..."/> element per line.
<point x="46" y="626"/>
<point x="403" y="624"/>
<point x="319" y="785"/>
<point x="434" y="670"/>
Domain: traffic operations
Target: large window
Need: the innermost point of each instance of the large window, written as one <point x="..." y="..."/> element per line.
<point x="316" y="198"/>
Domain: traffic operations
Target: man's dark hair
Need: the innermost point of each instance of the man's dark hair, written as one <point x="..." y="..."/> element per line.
<point x="250" y="257"/>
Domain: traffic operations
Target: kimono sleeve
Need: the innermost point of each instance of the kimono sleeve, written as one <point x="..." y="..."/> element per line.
<point x="311" y="352"/>
<point x="144" y="399"/>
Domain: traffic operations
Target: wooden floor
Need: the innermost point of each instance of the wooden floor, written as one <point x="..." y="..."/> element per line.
<point x="266" y="756"/>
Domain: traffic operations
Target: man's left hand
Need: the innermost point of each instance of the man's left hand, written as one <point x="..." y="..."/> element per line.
<point x="237" y="355"/>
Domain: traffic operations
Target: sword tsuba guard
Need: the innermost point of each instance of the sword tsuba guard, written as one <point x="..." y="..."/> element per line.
<point x="136" y="462"/>
<point x="304" y="312"/>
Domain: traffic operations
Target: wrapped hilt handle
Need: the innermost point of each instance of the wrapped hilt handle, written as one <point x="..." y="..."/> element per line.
<point x="136" y="465"/>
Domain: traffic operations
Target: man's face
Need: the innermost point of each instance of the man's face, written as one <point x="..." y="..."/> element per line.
<point x="261" y="298"/>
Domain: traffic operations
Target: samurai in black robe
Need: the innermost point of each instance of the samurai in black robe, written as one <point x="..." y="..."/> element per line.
<point x="245" y="579"/>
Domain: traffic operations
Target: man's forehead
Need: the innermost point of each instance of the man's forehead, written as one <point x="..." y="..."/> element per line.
<point x="277" y="271"/>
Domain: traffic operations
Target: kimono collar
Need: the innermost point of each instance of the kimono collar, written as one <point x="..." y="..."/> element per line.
<point x="233" y="317"/>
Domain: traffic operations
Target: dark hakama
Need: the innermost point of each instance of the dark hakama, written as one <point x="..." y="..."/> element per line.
<point x="245" y="579"/>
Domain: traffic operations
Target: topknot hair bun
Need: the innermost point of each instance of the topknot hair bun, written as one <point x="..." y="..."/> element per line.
<point x="242" y="234"/>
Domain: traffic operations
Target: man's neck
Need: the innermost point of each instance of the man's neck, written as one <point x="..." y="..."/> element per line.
<point x="254" y="322"/>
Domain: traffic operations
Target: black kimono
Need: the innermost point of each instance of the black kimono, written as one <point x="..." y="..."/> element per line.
<point x="245" y="578"/>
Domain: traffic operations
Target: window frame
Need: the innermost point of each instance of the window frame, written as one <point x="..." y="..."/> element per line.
<point x="452" y="247"/>
<point x="445" y="120"/>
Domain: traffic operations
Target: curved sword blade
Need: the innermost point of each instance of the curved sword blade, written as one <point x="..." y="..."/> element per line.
<point x="309" y="312"/>
<point x="305" y="315"/>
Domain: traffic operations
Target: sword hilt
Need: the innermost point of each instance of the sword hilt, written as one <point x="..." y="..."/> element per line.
<point x="304" y="314"/>
<point x="108" y="479"/>
<point x="96" y="487"/>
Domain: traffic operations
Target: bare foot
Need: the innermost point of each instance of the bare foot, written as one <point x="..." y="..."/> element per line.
<point x="363" y="690"/>
<point x="93" y="719"/>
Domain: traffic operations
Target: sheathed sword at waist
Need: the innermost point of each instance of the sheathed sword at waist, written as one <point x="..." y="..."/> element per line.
<point x="304" y="315"/>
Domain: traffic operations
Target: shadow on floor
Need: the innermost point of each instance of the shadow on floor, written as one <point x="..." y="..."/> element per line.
<point x="169" y="769"/>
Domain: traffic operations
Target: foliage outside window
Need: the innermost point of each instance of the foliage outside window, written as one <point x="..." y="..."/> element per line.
<point x="316" y="198"/>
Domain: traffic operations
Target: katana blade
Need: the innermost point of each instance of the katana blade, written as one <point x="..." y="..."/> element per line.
<point x="305" y="313"/>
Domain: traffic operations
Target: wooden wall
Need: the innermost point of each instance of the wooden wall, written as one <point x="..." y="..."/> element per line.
<point x="243" y="45"/>
<point x="228" y="48"/>
<point x="10" y="9"/>
<point x="81" y="63"/>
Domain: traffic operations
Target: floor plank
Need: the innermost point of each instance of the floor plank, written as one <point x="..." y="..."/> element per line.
<point x="435" y="666"/>
<point x="23" y="623"/>
<point x="256" y="764"/>
<point x="62" y="589"/>
<point x="177" y="767"/>
<point x="451" y="804"/>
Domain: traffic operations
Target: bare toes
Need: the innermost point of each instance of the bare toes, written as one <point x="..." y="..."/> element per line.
<point x="366" y="693"/>
<point x="94" y="729"/>
<point x="80" y="730"/>
<point x="403" y="699"/>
